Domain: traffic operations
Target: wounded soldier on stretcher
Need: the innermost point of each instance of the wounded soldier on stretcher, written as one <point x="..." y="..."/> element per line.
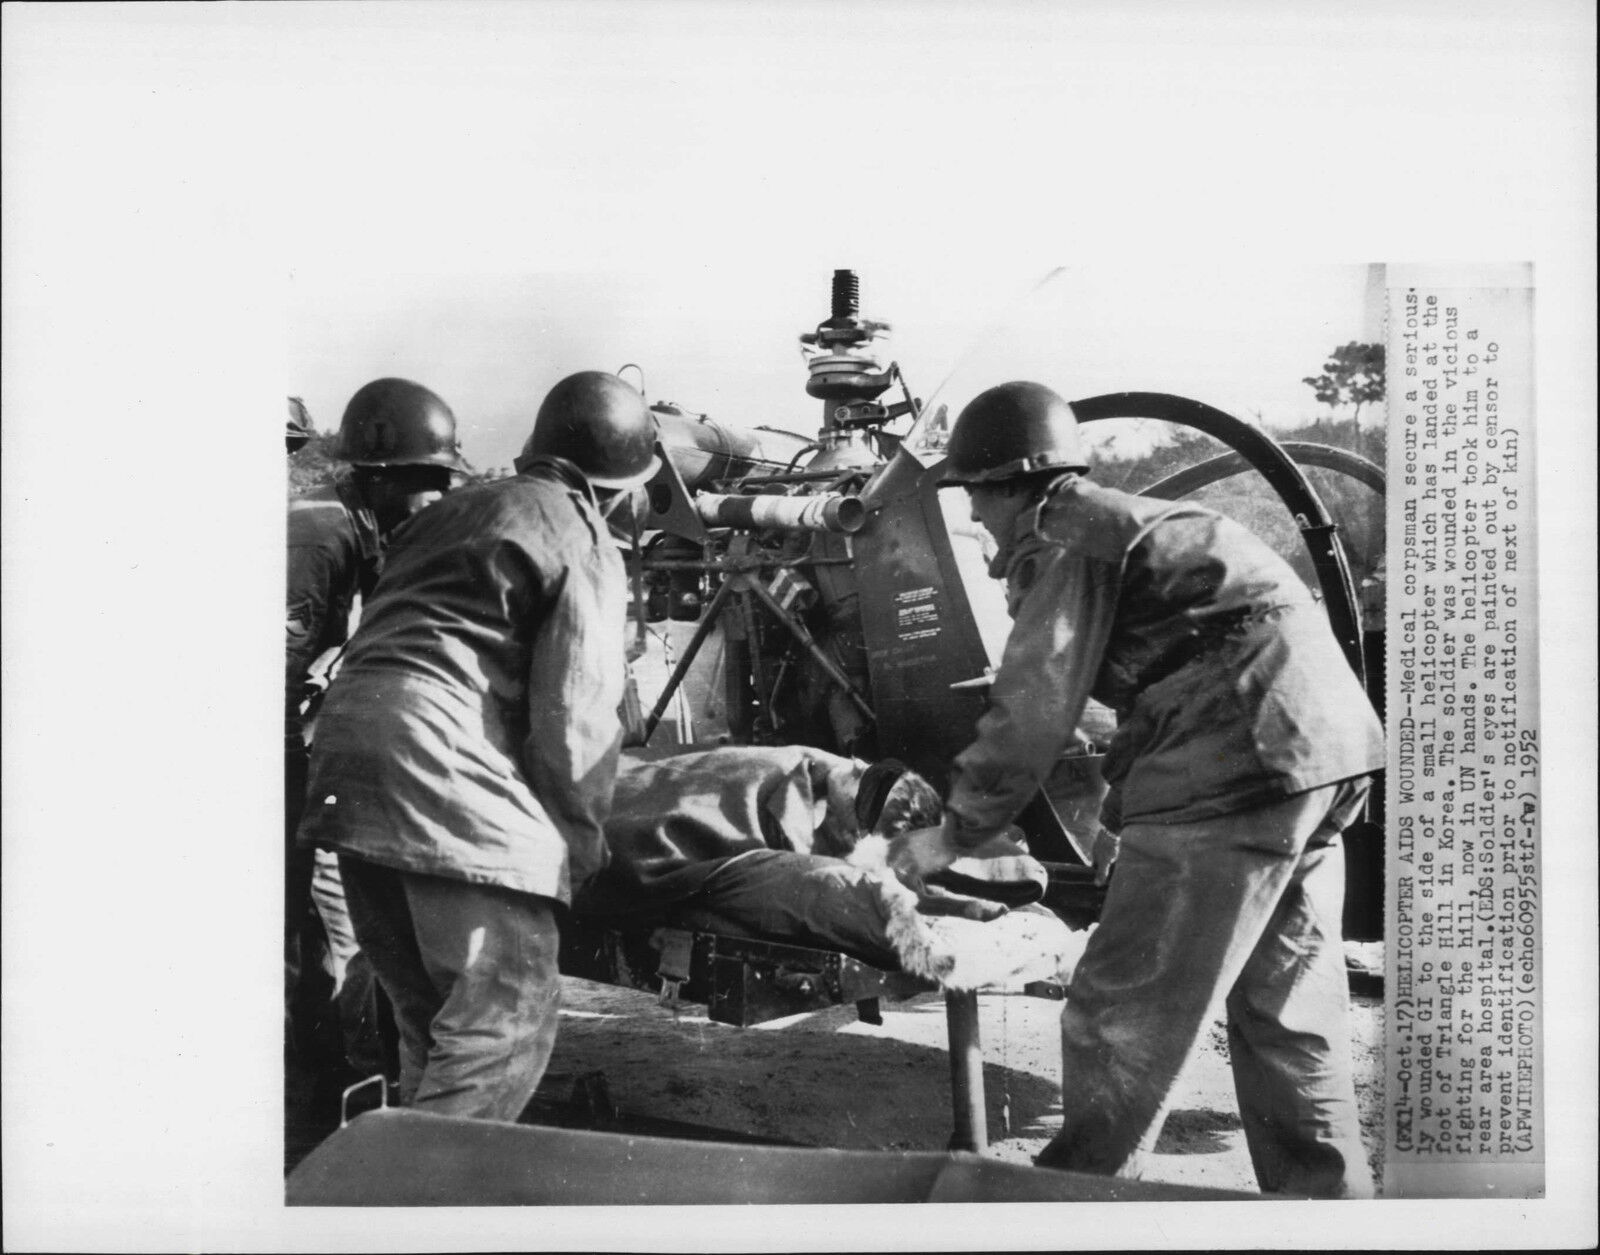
<point x="788" y="843"/>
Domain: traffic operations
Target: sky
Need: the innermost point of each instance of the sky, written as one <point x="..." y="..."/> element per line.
<point x="723" y="341"/>
<point x="488" y="197"/>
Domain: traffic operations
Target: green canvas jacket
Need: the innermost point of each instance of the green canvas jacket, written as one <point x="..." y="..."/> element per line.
<point x="1229" y="687"/>
<point x="472" y="731"/>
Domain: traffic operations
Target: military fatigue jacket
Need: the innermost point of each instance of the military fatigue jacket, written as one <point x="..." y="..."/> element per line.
<point x="1228" y="684"/>
<point x="676" y="820"/>
<point x="334" y="553"/>
<point x="472" y="731"/>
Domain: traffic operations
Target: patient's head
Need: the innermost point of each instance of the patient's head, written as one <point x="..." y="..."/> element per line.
<point x="912" y="803"/>
<point x="886" y="797"/>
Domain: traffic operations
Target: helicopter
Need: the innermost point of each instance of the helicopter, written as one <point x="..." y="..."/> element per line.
<point x="844" y="594"/>
<point x="823" y="590"/>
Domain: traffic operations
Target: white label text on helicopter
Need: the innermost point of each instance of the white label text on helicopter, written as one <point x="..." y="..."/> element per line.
<point x="917" y="616"/>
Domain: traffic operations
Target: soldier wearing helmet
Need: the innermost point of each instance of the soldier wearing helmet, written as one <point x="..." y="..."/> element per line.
<point x="401" y="439"/>
<point x="466" y="753"/>
<point x="299" y="430"/>
<point x="1243" y="748"/>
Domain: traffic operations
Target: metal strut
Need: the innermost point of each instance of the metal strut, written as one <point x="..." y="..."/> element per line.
<point x="746" y="583"/>
<point x="701" y="631"/>
<point x="966" y="1071"/>
<point x="808" y="642"/>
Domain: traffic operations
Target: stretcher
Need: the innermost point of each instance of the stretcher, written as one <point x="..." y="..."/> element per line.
<point x="744" y="980"/>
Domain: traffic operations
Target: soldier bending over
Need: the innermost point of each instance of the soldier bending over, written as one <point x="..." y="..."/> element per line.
<point x="465" y="755"/>
<point x="1242" y="751"/>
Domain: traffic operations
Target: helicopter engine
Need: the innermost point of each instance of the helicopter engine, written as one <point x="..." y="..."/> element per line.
<point x="770" y="516"/>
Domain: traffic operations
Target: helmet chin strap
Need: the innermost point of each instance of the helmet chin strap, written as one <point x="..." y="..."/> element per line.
<point x="610" y="500"/>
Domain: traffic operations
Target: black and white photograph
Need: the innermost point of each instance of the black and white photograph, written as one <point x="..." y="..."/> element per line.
<point x="816" y="617"/>
<point x="884" y="606"/>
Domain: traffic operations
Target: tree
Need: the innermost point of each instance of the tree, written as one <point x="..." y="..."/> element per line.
<point x="316" y="464"/>
<point x="1248" y="499"/>
<point x="1353" y="375"/>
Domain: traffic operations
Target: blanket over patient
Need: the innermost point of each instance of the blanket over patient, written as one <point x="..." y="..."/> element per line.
<point x="727" y="841"/>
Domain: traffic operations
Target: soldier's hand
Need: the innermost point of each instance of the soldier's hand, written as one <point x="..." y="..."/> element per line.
<point x="919" y="852"/>
<point x="1106" y="846"/>
<point x="1007" y="843"/>
<point x="937" y="900"/>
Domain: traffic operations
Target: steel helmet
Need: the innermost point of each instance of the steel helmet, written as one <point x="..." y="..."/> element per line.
<point x="394" y="422"/>
<point x="1012" y="429"/>
<point x="600" y="425"/>
<point x="299" y="431"/>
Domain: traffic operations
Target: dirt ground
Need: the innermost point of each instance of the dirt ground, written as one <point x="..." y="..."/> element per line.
<point x="826" y="1079"/>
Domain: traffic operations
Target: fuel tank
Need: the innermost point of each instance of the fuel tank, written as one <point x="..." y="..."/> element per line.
<point x="706" y="452"/>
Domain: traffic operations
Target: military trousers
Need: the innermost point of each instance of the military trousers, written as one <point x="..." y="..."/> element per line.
<point x="364" y="1015"/>
<point x="804" y="899"/>
<point x="312" y="1035"/>
<point x="1243" y="911"/>
<point x="471" y="971"/>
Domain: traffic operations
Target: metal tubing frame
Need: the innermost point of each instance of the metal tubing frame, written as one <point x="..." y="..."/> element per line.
<point x="742" y="568"/>
<point x="701" y="631"/>
<point x="795" y="477"/>
<point x="809" y="644"/>
<point x="743" y="583"/>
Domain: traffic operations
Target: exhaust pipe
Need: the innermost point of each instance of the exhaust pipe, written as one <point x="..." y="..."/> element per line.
<point x="827" y="512"/>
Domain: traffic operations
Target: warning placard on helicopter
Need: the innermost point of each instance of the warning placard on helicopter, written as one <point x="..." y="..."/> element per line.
<point x="916" y="614"/>
<point x="1465" y="1040"/>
